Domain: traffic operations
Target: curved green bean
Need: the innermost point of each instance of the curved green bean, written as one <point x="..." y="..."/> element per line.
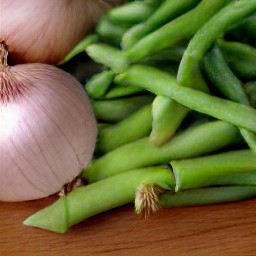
<point x="98" y="84"/>
<point x="240" y="57"/>
<point x="115" y="110"/>
<point x="224" y="79"/>
<point x="125" y="131"/>
<point x="161" y="83"/>
<point x="165" y="119"/>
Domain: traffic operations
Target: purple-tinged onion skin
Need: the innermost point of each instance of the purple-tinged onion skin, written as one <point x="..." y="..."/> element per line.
<point x="44" y="31"/>
<point x="47" y="132"/>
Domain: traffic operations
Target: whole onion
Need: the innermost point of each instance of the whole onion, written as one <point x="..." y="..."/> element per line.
<point x="47" y="130"/>
<point x="45" y="31"/>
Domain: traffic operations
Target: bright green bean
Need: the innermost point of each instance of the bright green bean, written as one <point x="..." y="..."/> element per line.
<point x="211" y="195"/>
<point x="120" y="91"/>
<point x="164" y="84"/>
<point x="108" y="56"/>
<point x="165" y="120"/>
<point x="240" y="57"/>
<point x="98" y="84"/>
<point x="110" y="31"/>
<point x="125" y="131"/>
<point x="168" y="10"/>
<point x="86" y="201"/>
<point x="195" y="141"/>
<point x="208" y="170"/>
<point x="115" y="110"/>
<point x="130" y="13"/>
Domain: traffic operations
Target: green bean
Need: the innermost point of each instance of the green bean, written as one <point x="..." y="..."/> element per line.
<point x="195" y="141"/>
<point x="208" y="170"/>
<point x="224" y="79"/>
<point x="161" y="83"/>
<point x="125" y="131"/>
<point x="121" y="91"/>
<point x="130" y="13"/>
<point x="109" y="30"/>
<point x="175" y="31"/>
<point x="189" y="70"/>
<point x="240" y="57"/>
<point x="80" y="47"/>
<point x="250" y="89"/>
<point x="244" y="31"/>
<point x="211" y="195"/>
<point x="168" y="10"/>
<point x="86" y="201"/>
<point x="98" y="84"/>
<point x="165" y="120"/>
<point x="116" y="110"/>
<point x="108" y="56"/>
<point x="171" y="55"/>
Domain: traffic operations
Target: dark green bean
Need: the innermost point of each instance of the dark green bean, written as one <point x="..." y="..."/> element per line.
<point x="211" y="195"/>
<point x="244" y="31"/>
<point x="222" y="77"/>
<point x="250" y="89"/>
<point x="240" y="57"/>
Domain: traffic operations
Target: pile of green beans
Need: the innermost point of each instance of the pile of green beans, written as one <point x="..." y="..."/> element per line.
<point x="175" y="102"/>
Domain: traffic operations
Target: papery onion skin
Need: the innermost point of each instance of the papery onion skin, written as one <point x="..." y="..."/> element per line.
<point x="44" y="31"/>
<point x="47" y="133"/>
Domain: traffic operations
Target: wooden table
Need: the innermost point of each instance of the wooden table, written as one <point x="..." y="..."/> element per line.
<point x="226" y="229"/>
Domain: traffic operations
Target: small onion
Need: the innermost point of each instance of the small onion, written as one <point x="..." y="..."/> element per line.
<point x="45" y="31"/>
<point x="47" y="131"/>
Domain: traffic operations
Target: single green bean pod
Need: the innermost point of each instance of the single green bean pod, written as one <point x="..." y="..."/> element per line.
<point x="115" y="110"/>
<point x="125" y="131"/>
<point x="98" y="84"/>
<point x="240" y="57"/>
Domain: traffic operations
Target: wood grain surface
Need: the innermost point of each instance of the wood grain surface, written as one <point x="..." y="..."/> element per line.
<point x="224" y="229"/>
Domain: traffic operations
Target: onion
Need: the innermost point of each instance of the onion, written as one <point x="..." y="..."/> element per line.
<point x="45" y="31"/>
<point x="47" y="132"/>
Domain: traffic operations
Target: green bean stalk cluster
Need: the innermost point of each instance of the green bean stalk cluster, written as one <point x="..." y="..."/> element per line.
<point x="175" y="103"/>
